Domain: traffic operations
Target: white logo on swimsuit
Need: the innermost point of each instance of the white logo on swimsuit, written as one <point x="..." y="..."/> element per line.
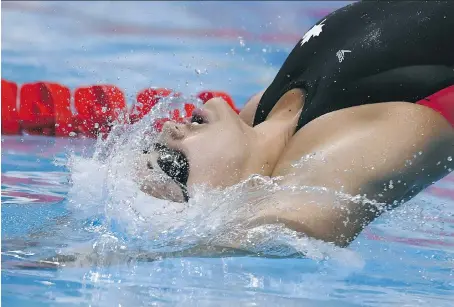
<point x="314" y="31"/>
<point x="341" y="54"/>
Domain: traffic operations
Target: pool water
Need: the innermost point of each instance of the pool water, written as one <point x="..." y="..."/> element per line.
<point x="55" y="203"/>
<point x="404" y="258"/>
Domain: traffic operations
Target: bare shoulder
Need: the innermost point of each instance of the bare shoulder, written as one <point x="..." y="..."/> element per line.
<point x="387" y="152"/>
<point x="361" y="148"/>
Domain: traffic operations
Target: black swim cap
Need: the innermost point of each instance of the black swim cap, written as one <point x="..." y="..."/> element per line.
<point x="175" y="164"/>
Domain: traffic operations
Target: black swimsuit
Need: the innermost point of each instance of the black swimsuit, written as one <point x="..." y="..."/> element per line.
<point x="369" y="52"/>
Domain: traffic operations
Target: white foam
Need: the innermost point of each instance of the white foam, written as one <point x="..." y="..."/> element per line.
<point x="104" y="185"/>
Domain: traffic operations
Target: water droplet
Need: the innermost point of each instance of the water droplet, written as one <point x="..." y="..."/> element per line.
<point x="72" y="134"/>
<point x="449" y="158"/>
<point x="242" y="43"/>
<point x="197" y="71"/>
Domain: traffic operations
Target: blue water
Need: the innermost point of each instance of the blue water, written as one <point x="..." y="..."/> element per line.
<point x="405" y="258"/>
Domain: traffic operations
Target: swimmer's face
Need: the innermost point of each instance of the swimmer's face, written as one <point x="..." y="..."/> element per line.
<point x="213" y="141"/>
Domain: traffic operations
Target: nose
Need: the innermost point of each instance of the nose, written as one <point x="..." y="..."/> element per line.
<point x="173" y="130"/>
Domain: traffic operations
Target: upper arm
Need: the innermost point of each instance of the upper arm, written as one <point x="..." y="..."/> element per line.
<point x="386" y="151"/>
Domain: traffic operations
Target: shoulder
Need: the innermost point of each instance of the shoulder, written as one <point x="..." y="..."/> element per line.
<point x="360" y="147"/>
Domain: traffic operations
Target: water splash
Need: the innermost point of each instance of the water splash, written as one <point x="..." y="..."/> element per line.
<point x="105" y="190"/>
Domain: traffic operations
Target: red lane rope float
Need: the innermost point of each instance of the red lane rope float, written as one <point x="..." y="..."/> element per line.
<point x="97" y="107"/>
<point x="10" y="115"/>
<point x="44" y="108"/>
<point x="148" y="98"/>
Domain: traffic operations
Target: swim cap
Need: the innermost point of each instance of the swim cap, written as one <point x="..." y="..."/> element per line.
<point x="174" y="164"/>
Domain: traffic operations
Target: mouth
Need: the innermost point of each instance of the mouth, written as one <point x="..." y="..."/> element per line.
<point x="174" y="164"/>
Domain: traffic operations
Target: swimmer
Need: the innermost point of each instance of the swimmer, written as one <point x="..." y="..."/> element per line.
<point x="369" y="90"/>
